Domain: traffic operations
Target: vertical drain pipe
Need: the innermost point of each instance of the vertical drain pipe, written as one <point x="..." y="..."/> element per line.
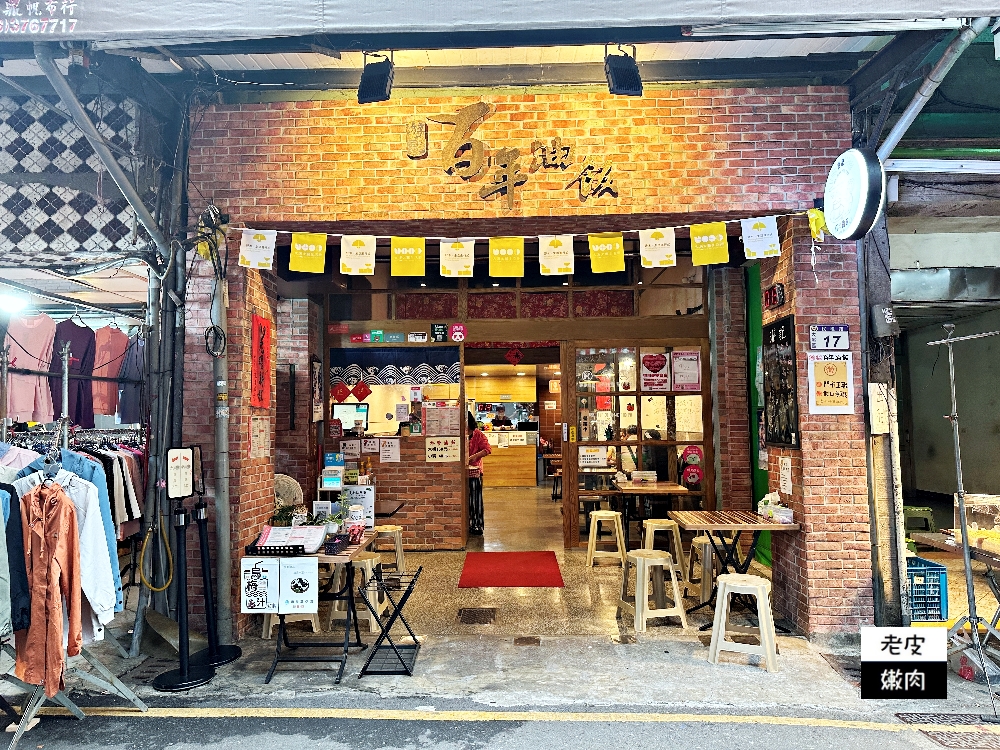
<point x="220" y="374"/>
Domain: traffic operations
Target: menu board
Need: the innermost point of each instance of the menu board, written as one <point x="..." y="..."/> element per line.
<point x="781" y="410"/>
<point x="442" y="420"/>
<point x="439" y="450"/>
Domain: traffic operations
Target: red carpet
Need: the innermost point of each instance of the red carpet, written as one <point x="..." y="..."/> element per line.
<point x="510" y="570"/>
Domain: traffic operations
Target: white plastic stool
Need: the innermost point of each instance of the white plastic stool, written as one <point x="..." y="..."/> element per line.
<point x="608" y="516"/>
<point x="396" y="532"/>
<point x="645" y="562"/>
<point x="651" y="526"/>
<point x="748" y="585"/>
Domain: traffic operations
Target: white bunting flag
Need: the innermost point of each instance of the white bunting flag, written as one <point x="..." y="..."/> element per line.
<point x="357" y="254"/>
<point x="257" y="248"/>
<point x="457" y="257"/>
<point x="656" y="248"/>
<point x="555" y="254"/>
<point x="760" y="237"/>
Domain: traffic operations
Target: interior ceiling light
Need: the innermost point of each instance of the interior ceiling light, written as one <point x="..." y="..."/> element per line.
<point x="485" y="374"/>
<point x="557" y="372"/>
<point x="622" y="72"/>
<point x="12" y="303"/>
<point x="521" y="374"/>
<point x="376" y="81"/>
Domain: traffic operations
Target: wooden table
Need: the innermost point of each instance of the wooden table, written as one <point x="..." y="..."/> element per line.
<point x="345" y="557"/>
<point x="387" y="508"/>
<point x="635" y="491"/>
<point x="736" y="521"/>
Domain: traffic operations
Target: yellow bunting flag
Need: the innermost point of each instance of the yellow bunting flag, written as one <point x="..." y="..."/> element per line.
<point x="656" y="248"/>
<point x="507" y="257"/>
<point x="257" y="248"/>
<point x="308" y="252"/>
<point x="457" y="257"/>
<point x="607" y="252"/>
<point x="817" y="224"/>
<point x="555" y="254"/>
<point x="709" y="244"/>
<point x="357" y="254"/>
<point x="408" y="256"/>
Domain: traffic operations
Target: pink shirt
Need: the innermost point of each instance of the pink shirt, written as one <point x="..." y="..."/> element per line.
<point x="108" y="356"/>
<point x="30" y="340"/>
<point x="478" y="442"/>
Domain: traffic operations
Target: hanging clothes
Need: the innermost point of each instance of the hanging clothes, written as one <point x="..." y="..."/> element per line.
<point x="30" y="340"/>
<point x="133" y="368"/>
<point x="20" y="597"/>
<point x="52" y="557"/>
<point x="95" y="556"/>
<point x="81" y="341"/>
<point x="18" y="458"/>
<point x="4" y="447"/>
<point x="91" y="470"/>
<point x="111" y="344"/>
<point x="5" y="628"/>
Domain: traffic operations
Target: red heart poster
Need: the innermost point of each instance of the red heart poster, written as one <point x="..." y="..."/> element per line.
<point x="361" y="391"/>
<point x="340" y="392"/>
<point x="260" y="361"/>
<point x="655" y="372"/>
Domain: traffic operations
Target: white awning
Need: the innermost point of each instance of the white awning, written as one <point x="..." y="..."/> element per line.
<point x="181" y="21"/>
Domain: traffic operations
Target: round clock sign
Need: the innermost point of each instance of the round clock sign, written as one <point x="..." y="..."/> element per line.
<point x="855" y="194"/>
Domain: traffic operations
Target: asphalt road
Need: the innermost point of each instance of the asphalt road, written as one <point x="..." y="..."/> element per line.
<point x="260" y="732"/>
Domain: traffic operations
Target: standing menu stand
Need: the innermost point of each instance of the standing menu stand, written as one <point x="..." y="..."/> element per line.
<point x="346" y="594"/>
<point x="391" y="658"/>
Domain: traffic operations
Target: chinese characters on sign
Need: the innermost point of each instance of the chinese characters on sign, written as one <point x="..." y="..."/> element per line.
<point x="831" y="382"/>
<point x="904" y="663"/>
<point x="38" y="17"/>
<point x="781" y="411"/>
<point x="260" y="361"/>
<point x="466" y="157"/>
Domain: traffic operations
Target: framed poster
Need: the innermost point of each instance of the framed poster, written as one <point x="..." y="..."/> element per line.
<point x="831" y="382"/>
<point x="316" y="389"/>
<point x="781" y="409"/>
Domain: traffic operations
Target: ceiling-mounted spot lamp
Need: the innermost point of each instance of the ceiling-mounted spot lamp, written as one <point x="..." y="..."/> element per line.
<point x="376" y="80"/>
<point x="622" y="72"/>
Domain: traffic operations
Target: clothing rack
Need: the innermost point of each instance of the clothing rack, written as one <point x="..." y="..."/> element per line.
<point x="45" y="373"/>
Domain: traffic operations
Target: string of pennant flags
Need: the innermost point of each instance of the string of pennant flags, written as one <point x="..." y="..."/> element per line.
<point x="408" y="255"/>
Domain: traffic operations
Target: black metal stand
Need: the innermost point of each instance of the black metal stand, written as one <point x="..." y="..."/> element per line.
<point x="216" y="654"/>
<point x="187" y="676"/>
<point x="344" y="594"/>
<point x="392" y="658"/>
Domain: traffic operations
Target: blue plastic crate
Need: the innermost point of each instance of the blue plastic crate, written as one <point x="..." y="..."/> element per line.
<point x="928" y="590"/>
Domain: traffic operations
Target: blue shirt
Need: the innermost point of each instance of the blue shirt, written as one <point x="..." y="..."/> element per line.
<point x="93" y="472"/>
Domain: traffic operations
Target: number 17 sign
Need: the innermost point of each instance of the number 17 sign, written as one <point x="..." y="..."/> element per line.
<point x="829" y="338"/>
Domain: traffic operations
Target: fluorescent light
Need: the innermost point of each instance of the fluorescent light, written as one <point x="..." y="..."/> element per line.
<point x="12" y="303"/>
<point x="557" y="372"/>
<point x="496" y="285"/>
<point x="521" y="374"/>
<point x="565" y="283"/>
<point x="485" y="374"/>
<point x="426" y="285"/>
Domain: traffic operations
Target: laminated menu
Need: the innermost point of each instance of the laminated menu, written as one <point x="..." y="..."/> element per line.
<point x="310" y="537"/>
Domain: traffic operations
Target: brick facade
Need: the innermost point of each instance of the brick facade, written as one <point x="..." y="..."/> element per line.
<point x="434" y="516"/>
<point x="678" y="156"/>
<point x="822" y="575"/>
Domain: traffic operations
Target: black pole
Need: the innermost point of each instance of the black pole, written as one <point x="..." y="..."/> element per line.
<point x="187" y="676"/>
<point x="215" y="655"/>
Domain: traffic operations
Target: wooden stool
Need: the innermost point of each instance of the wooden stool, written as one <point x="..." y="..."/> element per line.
<point x="609" y="516"/>
<point x="646" y="562"/>
<point x="919" y="514"/>
<point x="651" y="526"/>
<point x="701" y="546"/>
<point x="760" y="588"/>
<point x="270" y="620"/>
<point x="396" y="532"/>
<point x="364" y="570"/>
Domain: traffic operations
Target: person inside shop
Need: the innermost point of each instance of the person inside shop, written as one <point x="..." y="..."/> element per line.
<point x="479" y="446"/>
<point x="501" y="420"/>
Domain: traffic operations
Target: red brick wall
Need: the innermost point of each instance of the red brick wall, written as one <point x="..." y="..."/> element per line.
<point x="734" y="481"/>
<point x="711" y="150"/>
<point x="298" y="333"/>
<point x="434" y="516"/>
<point x="822" y="574"/>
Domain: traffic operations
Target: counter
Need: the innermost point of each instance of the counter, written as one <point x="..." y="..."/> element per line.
<point x="514" y="465"/>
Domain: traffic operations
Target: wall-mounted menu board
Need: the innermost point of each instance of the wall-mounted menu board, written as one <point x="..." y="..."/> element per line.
<point x="781" y="410"/>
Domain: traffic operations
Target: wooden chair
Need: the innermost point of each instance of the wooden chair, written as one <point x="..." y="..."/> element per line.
<point x="646" y="562"/>
<point x="606" y="516"/>
<point x="760" y="589"/>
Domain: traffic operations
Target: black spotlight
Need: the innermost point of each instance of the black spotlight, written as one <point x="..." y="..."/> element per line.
<point x="623" y="73"/>
<point x="376" y="81"/>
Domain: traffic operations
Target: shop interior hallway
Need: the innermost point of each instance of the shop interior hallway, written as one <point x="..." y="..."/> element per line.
<point x="519" y="519"/>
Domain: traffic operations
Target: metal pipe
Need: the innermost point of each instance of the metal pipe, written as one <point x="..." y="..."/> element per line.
<point x="64" y="422"/>
<point x="46" y="61"/>
<point x="929" y="85"/>
<point x="223" y="561"/>
<point x="4" y="362"/>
